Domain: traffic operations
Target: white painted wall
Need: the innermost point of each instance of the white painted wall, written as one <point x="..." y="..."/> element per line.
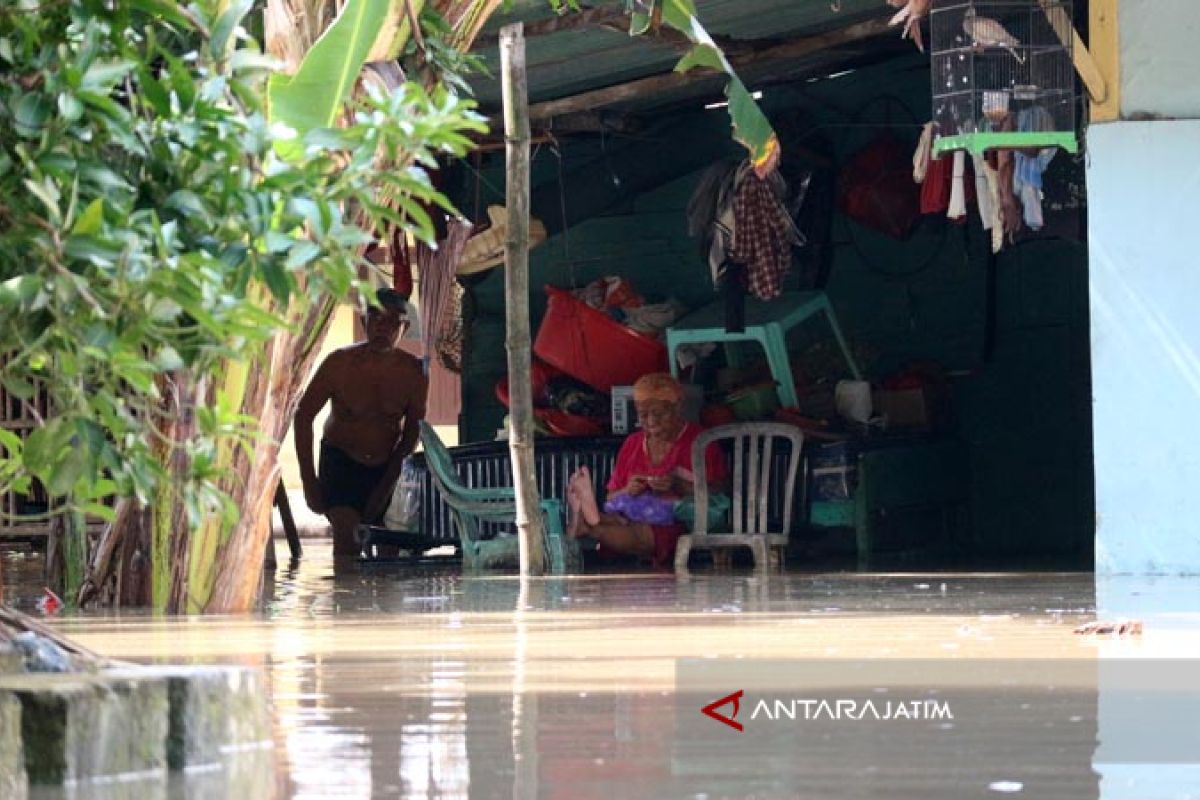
<point x="1160" y="57"/>
<point x="1168" y="608"/>
<point x="1144" y="239"/>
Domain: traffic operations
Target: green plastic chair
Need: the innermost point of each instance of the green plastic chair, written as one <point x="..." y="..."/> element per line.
<point x="470" y="508"/>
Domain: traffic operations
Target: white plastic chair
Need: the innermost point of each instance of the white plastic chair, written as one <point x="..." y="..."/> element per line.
<point x="761" y="472"/>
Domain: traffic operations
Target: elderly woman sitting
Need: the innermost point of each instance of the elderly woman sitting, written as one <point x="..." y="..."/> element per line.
<point x="653" y="470"/>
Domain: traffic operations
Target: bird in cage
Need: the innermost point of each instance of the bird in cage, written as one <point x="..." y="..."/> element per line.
<point x="987" y="32"/>
<point x="910" y="14"/>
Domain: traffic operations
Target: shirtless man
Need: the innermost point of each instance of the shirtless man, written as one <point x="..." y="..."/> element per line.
<point x="378" y="393"/>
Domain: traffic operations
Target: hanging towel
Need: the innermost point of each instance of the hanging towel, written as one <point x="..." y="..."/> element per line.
<point x="935" y="191"/>
<point x="958" y="187"/>
<point x="983" y="194"/>
<point x="923" y="153"/>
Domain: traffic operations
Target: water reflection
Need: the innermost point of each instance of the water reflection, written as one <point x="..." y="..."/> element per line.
<point x="392" y="681"/>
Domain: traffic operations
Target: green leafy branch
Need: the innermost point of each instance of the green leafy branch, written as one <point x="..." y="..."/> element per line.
<point x="150" y="231"/>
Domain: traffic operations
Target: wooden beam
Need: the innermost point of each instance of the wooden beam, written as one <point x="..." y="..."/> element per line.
<point x="1105" y="44"/>
<point x="587" y="18"/>
<point x="654" y="84"/>
<point x="617" y="20"/>
<point x="1084" y="64"/>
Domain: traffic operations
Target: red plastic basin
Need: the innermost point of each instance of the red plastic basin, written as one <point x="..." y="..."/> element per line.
<point x="590" y="347"/>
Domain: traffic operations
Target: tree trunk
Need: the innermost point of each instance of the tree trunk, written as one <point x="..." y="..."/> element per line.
<point x="271" y="396"/>
<point x="516" y="298"/>
<point x="153" y="555"/>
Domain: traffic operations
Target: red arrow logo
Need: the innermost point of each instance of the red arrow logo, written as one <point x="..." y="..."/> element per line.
<point x="710" y="710"/>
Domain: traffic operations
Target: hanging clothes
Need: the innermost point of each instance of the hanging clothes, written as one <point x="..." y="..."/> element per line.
<point x="984" y="195"/>
<point x="1002" y="162"/>
<point x="923" y="153"/>
<point x="1027" y="175"/>
<point x="763" y="235"/>
<point x="988" y="192"/>
<point x="957" y="208"/>
<point x="948" y="187"/>
<point x="935" y="191"/>
<point x="710" y="213"/>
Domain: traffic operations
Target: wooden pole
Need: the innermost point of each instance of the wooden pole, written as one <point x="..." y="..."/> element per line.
<point x="516" y="298"/>
<point x="289" y="523"/>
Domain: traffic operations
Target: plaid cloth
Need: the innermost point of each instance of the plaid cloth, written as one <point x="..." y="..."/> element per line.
<point x="763" y="235"/>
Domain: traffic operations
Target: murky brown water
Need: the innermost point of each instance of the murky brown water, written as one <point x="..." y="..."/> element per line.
<point x="391" y="681"/>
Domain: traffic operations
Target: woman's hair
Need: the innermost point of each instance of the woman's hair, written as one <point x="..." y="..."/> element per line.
<point x="657" y="386"/>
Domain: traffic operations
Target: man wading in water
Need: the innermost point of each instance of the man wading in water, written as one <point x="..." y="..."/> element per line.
<point x="378" y="393"/>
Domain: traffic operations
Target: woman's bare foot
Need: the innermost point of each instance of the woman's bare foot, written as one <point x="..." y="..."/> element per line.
<point x="574" y="511"/>
<point x="586" y="493"/>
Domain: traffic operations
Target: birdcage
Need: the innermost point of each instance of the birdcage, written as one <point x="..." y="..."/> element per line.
<point x="1002" y="74"/>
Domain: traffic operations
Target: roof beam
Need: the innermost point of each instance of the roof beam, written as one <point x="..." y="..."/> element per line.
<point x="616" y="20"/>
<point x="796" y="48"/>
<point x="586" y="18"/>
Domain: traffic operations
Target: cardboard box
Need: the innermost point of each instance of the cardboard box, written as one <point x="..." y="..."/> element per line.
<point x="902" y="408"/>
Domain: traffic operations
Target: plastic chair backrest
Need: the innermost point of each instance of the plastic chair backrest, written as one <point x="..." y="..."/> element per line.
<point x="438" y="457"/>
<point x="754" y="478"/>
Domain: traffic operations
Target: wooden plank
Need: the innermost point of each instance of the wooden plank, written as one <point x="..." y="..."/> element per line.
<point x="289" y="523"/>
<point x="1084" y="63"/>
<point x="1104" y="38"/>
<point x="654" y="84"/>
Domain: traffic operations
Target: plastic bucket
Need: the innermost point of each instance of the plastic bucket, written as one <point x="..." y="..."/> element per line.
<point x="590" y="347"/>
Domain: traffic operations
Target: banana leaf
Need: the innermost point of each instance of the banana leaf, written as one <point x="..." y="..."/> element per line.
<point x="751" y="128"/>
<point x="313" y="97"/>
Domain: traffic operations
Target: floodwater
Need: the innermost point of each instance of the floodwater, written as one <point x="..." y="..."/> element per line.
<point x="414" y="681"/>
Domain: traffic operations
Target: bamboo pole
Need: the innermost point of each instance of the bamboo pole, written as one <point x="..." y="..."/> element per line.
<point x="516" y="297"/>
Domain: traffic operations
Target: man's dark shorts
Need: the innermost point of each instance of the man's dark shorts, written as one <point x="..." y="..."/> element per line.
<point x="344" y="481"/>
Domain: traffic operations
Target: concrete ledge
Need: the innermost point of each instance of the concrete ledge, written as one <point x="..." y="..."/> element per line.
<point x="77" y="727"/>
<point x="130" y="725"/>
<point x="212" y="711"/>
<point x="11" y="659"/>
<point x="12" y="752"/>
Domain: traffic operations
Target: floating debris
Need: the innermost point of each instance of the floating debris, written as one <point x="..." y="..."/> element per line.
<point x="49" y="603"/>
<point x="1007" y="787"/>
<point x="41" y="654"/>
<point x="1120" y="627"/>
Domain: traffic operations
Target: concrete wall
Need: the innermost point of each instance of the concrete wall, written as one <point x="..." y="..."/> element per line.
<point x="1144" y="205"/>
<point x="1160" y="57"/>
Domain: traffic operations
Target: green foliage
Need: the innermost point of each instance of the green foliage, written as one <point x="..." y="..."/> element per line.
<point x="149" y="232"/>
<point x="313" y="97"/>
<point x="751" y="128"/>
<point x="559" y="6"/>
<point x="449" y="64"/>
